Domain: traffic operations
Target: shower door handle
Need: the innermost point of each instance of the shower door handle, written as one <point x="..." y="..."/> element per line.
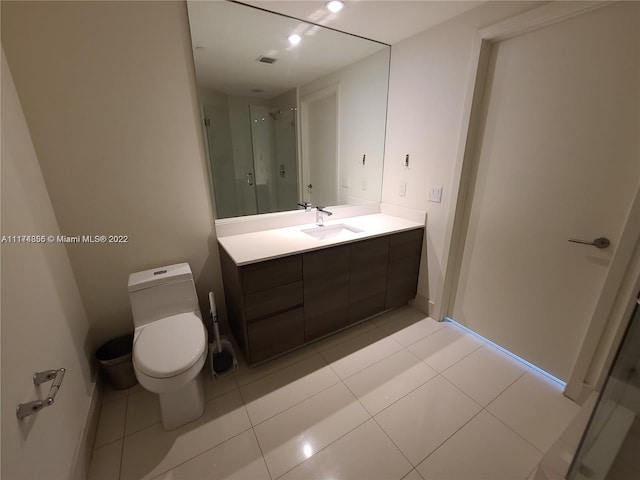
<point x="249" y="178"/>
<point x="600" y="242"/>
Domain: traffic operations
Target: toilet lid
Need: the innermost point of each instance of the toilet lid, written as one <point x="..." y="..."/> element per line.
<point x="170" y="346"/>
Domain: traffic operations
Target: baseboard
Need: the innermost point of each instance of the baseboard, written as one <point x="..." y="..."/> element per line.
<point x="83" y="450"/>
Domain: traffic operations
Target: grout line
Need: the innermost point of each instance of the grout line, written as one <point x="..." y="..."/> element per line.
<point x="397" y="447"/>
<point x="325" y="447"/>
<point x="264" y="460"/>
<point x="290" y="406"/>
<point x="284" y="367"/>
<point x="449" y="437"/>
<point x="516" y="432"/>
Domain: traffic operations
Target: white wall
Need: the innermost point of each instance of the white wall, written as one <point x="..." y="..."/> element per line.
<point x="362" y="106"/>
<point x="44" y="325"/>
<point x="427" y="89"/>
<point x="109" y="94"/>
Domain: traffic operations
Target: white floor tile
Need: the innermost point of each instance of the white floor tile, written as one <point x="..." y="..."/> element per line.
<point x="111" y="422"/>
<point x="484" y="449"/>
<point x="238" y="458"/>
<point x="296" y="434"/>
<point x="409" y="326"/>
<point x="413" y="475"/>
<point x="219" y="386"/>
<point x="153" y="451"/>
<point x="425" y="418"/>
<point x="395" y="320"/>
<point x="535" y="407"/>
<point x="105" y="462"/>
<point x="344" y="336"/>
<point x="109" y="394"/>
<point x="445" y="347"/>
<point x="381" y="384"/>
<point x="559" y="457"/>
<point x="426" y="425"/>
<point x="364" y="453"/>
<point x="245" y="375"/>
<point x="136" y="388"/>
<point x="358" y="353"/>
<point x="142" y="412"/>
<point x="274" y="393"/>
<point x="485" y="373"/>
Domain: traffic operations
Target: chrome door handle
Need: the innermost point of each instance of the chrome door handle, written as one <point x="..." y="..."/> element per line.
<point x="600" y="242"/>
<point x="249" y="178"/>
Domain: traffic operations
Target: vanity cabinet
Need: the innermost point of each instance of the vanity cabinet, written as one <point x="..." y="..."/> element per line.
<point x="368" y="278"/>
<point x="326" y="290"/>
<point x="404" y="266"/>
<point x="264" y="305"/>
<point x="278" y="305"/>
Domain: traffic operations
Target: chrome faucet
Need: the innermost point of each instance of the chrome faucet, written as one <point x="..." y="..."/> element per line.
<point x="320" y="213"/>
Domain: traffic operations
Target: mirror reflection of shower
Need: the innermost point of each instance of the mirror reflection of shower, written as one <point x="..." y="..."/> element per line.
<point x="273" y="141"/>
<point x="252" y="153"/>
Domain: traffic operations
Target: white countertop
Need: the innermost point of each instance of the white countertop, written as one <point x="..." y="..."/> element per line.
<point x="279" y="242"/>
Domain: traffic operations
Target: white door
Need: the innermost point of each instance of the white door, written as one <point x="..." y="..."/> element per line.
<point x="320" y="148"/>
<point x="558" y="157"/>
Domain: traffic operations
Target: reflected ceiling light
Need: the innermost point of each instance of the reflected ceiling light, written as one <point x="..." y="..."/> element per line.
<point x="307" y="450"/>
<point x="294" y="39"/>
<point x="335" y="6"/>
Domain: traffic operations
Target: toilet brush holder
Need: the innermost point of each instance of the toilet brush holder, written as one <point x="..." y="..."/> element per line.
<point x="227" y="348"/>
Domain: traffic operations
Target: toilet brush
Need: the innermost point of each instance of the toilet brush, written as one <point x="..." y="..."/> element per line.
<point x="222" y="359"/>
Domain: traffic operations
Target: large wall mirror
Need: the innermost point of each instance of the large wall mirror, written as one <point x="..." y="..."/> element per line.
<point x="287" y="123"/>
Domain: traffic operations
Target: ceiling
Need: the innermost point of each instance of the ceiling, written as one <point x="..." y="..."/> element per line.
<point x="387" y="21"/>
<point x="228" y="39"/>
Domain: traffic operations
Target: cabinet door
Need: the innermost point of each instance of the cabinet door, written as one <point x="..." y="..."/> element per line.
<point x="326" y="291"/>
<point x="275" y="335"/>
<point x="405" y="249"/>
<point x="368" y="280"/>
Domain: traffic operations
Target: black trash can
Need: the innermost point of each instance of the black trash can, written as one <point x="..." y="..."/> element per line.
<point x="115" y="362"/>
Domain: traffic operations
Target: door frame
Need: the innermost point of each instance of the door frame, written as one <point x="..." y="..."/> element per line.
<point x="304" y="168"/>
<point x="462" y="187"/>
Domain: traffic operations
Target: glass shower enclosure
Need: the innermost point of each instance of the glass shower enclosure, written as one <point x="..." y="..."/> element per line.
<point x="253" y="157"/>
<point x="610" y="446"/>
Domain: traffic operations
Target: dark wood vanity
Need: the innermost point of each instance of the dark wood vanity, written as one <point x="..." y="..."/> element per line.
<point x="278" y="305"/>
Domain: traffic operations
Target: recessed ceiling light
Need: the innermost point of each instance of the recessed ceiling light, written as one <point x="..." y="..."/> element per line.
<point x="294" y="39"/>
<point x="335" y="6"/>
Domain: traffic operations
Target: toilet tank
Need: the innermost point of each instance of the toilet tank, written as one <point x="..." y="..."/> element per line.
<point x="162" y="292"/>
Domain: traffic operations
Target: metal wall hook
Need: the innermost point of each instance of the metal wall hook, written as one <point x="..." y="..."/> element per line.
<point x="26" y="409"/>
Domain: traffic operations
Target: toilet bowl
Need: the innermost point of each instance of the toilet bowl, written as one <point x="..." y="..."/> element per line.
<point x="170" y="341"/>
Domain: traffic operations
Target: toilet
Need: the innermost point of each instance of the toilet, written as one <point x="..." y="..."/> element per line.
<point x="170" y="341"/>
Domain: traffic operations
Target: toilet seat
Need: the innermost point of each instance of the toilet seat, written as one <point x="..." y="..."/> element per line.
<point x="170" y="346"/>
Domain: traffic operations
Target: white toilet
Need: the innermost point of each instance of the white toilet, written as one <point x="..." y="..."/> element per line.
<point x="170" y="341"/>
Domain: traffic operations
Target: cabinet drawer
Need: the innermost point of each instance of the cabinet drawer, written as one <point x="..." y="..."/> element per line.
<point x="274" y="300"/>
<point x="272" y="273"/>
<point x="405" y="244"/>
<point x="275" y="335"/>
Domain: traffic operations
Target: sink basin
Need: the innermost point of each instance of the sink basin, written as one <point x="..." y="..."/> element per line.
<point x="339" y="230"/>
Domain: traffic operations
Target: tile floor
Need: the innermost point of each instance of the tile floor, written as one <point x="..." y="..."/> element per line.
<point x="398" y="397"/>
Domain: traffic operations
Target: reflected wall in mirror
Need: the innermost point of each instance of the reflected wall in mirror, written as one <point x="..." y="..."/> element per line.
<point x="287" y="123"/>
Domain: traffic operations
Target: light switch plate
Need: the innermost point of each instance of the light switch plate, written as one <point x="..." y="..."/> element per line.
<point x="435" y="194"/>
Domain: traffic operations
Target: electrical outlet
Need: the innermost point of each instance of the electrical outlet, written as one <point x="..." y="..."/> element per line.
<point x="435" y="194"/>
<point x="402" y="191"/>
